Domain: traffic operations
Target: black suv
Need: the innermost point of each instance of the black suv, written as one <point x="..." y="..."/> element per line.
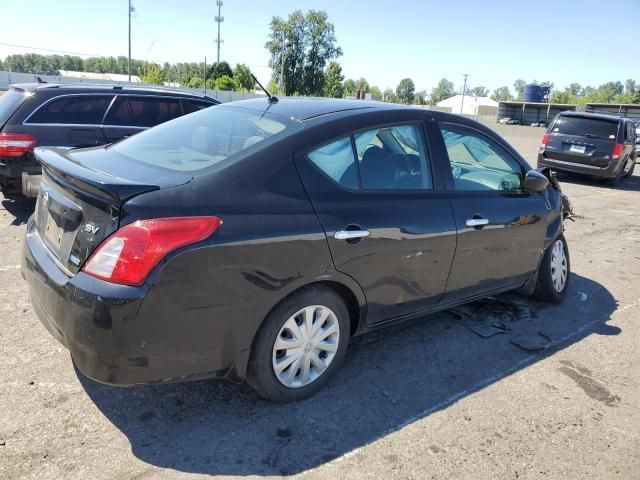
<point x="593" y="144"/>
<point x="77" y="116"/>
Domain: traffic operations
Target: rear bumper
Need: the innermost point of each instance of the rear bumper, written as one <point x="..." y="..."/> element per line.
<point x="608" y="171"/>
<point x="117" y="334"/>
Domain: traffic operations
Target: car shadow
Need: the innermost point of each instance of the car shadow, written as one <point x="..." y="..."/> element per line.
<point x="631" y="183"/>
<point x="391" y="378"/>
<point x="20" y="207"/>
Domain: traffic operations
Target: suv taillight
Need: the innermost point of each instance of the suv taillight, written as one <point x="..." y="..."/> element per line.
<point x="16" y="144"/>
<point x="545" y="140"/>
<point x="129" y="254"/>
<point x="617" y="151"/>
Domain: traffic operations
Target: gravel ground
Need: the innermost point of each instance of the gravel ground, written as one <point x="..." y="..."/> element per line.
<point x="428" y="399"/>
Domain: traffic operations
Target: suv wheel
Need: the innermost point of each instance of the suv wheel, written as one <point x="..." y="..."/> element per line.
<point x="554" y="273"/>
<point x="300" y="346"/>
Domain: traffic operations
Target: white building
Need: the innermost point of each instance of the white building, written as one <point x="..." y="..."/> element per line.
<point x="472" y="105"/>
<point x="102" y="77"/>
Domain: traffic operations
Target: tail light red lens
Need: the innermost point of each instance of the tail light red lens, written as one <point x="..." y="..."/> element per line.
<point x="16" y="144"/>
<point x="129" y="254"/>
<point x="617" y="151"/>
<point x="545" y="140"/>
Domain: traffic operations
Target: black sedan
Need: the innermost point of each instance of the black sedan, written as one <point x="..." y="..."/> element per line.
<point x="251" y="241"/>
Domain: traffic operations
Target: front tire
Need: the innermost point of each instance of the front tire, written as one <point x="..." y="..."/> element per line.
<point x="301" y="344"/>
<point x="554" y="273"/>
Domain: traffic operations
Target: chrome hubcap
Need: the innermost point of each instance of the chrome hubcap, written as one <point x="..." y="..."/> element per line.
<point x="305" y="346"/>
<point x="559" y="267"/>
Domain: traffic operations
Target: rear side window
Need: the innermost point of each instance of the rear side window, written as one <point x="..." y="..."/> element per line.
<point x="586" y="127"/>
<point x="81" y="109"/>
<point x="337" y="160"/>
<point x="9" y="103"/>
<point x="151" y="111"/>
<point x="190" y="106"/>
<point x="387" y="158"/>
<point x="119" y="113"/>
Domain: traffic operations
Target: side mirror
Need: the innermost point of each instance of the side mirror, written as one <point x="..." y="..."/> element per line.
<point x="534" y="181"/>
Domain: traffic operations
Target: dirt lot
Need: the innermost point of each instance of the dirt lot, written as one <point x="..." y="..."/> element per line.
<point x="430" y="399"/>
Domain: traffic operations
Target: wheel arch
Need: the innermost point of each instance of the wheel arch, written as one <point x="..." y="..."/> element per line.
<point x="344" y="286"/>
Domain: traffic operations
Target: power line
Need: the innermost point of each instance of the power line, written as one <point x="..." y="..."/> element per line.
<point x="52" y="50"/>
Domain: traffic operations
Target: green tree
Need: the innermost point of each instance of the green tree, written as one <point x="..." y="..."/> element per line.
<point x="300" y="48"/>
<point x="442" y="91"/>
<point x="630" y="86"/>
<point x="152" y="74"/>
<point x="479" y="92"/>
<point x="362" y="85"/>
<point x="376" y="94"/>
<point x="333" y="79"/>
<point x="518" y="86"/>
<point x="242" y="76"/>
<point x="196" y="82"/>
<point x="420" y="98"/>
<point x="574" y="89"/>
<point x="502" y="94"/>
<point x="349" y="87"/>
<point x="563" y="97"/>
<point x="225" y="82"/>
<point x="389" y="96"/>
<point x="406" y="90"/>
<point x="215" y="71"/>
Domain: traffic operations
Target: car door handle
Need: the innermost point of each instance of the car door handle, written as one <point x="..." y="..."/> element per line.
<point x="351" y="234"/>
<point x="477" y="222"/>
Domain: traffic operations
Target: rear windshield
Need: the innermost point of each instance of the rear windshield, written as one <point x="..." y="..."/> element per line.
<point x="9" y="103"/>
<point x="204" y="138"/>
<point x="586" y="127"/>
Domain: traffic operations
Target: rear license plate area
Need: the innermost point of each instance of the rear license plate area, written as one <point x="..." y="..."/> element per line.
<point x="577" y="149"/>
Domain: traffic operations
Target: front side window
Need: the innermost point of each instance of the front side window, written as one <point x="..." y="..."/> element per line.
<point x="386" y="158"/>
<point x="205" y="138"/>
<point x="478" y="163"/>
<point x="80" y="109"/>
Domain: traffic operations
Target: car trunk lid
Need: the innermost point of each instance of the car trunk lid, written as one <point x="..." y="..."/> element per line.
<point x="81" y="197"/>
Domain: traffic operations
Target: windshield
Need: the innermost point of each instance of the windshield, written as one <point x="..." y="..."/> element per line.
<point x="586" y="127"/>
<point x="9" y="103"/>
<point x="204" y="138"/>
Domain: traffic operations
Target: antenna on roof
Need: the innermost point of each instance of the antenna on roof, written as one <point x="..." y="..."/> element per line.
<point x="271" y="98"/>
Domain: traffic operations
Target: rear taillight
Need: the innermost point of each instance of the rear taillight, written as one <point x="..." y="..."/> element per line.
<point x="16" y="144"/>
<point x="129" y="254"/>
<point x="545" y="140"/>
<point x="617" y="151"/>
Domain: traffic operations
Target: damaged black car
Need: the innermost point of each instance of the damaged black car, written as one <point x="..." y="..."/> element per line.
<point x="253" y="240"/>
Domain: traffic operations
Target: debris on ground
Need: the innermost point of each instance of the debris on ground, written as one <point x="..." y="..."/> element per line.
<point x="532" y="343"/>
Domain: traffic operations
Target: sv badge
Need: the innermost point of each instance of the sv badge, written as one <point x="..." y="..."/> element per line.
<point x="91" y="228"/>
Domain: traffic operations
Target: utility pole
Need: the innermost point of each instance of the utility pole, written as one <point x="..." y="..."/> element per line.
<point x="219" y="18"/>
<point x="464" y="91"/>
<point x="204" y="75"/>
<point x="129" y="62"/>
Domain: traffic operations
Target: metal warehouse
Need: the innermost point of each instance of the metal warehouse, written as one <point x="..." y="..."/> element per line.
<point x="628" y="110"/>
<point x="531" y="112"/>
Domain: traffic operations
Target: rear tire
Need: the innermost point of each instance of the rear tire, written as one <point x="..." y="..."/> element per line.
<point x="631" y="168"/>
<point x="308" y="335"/>
<point x="554" y="273"/>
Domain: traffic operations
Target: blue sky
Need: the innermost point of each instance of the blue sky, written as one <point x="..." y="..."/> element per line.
<point x="495" y="41"/>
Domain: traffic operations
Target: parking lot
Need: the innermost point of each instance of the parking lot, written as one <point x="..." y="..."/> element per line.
<point x="553" y="394"/>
